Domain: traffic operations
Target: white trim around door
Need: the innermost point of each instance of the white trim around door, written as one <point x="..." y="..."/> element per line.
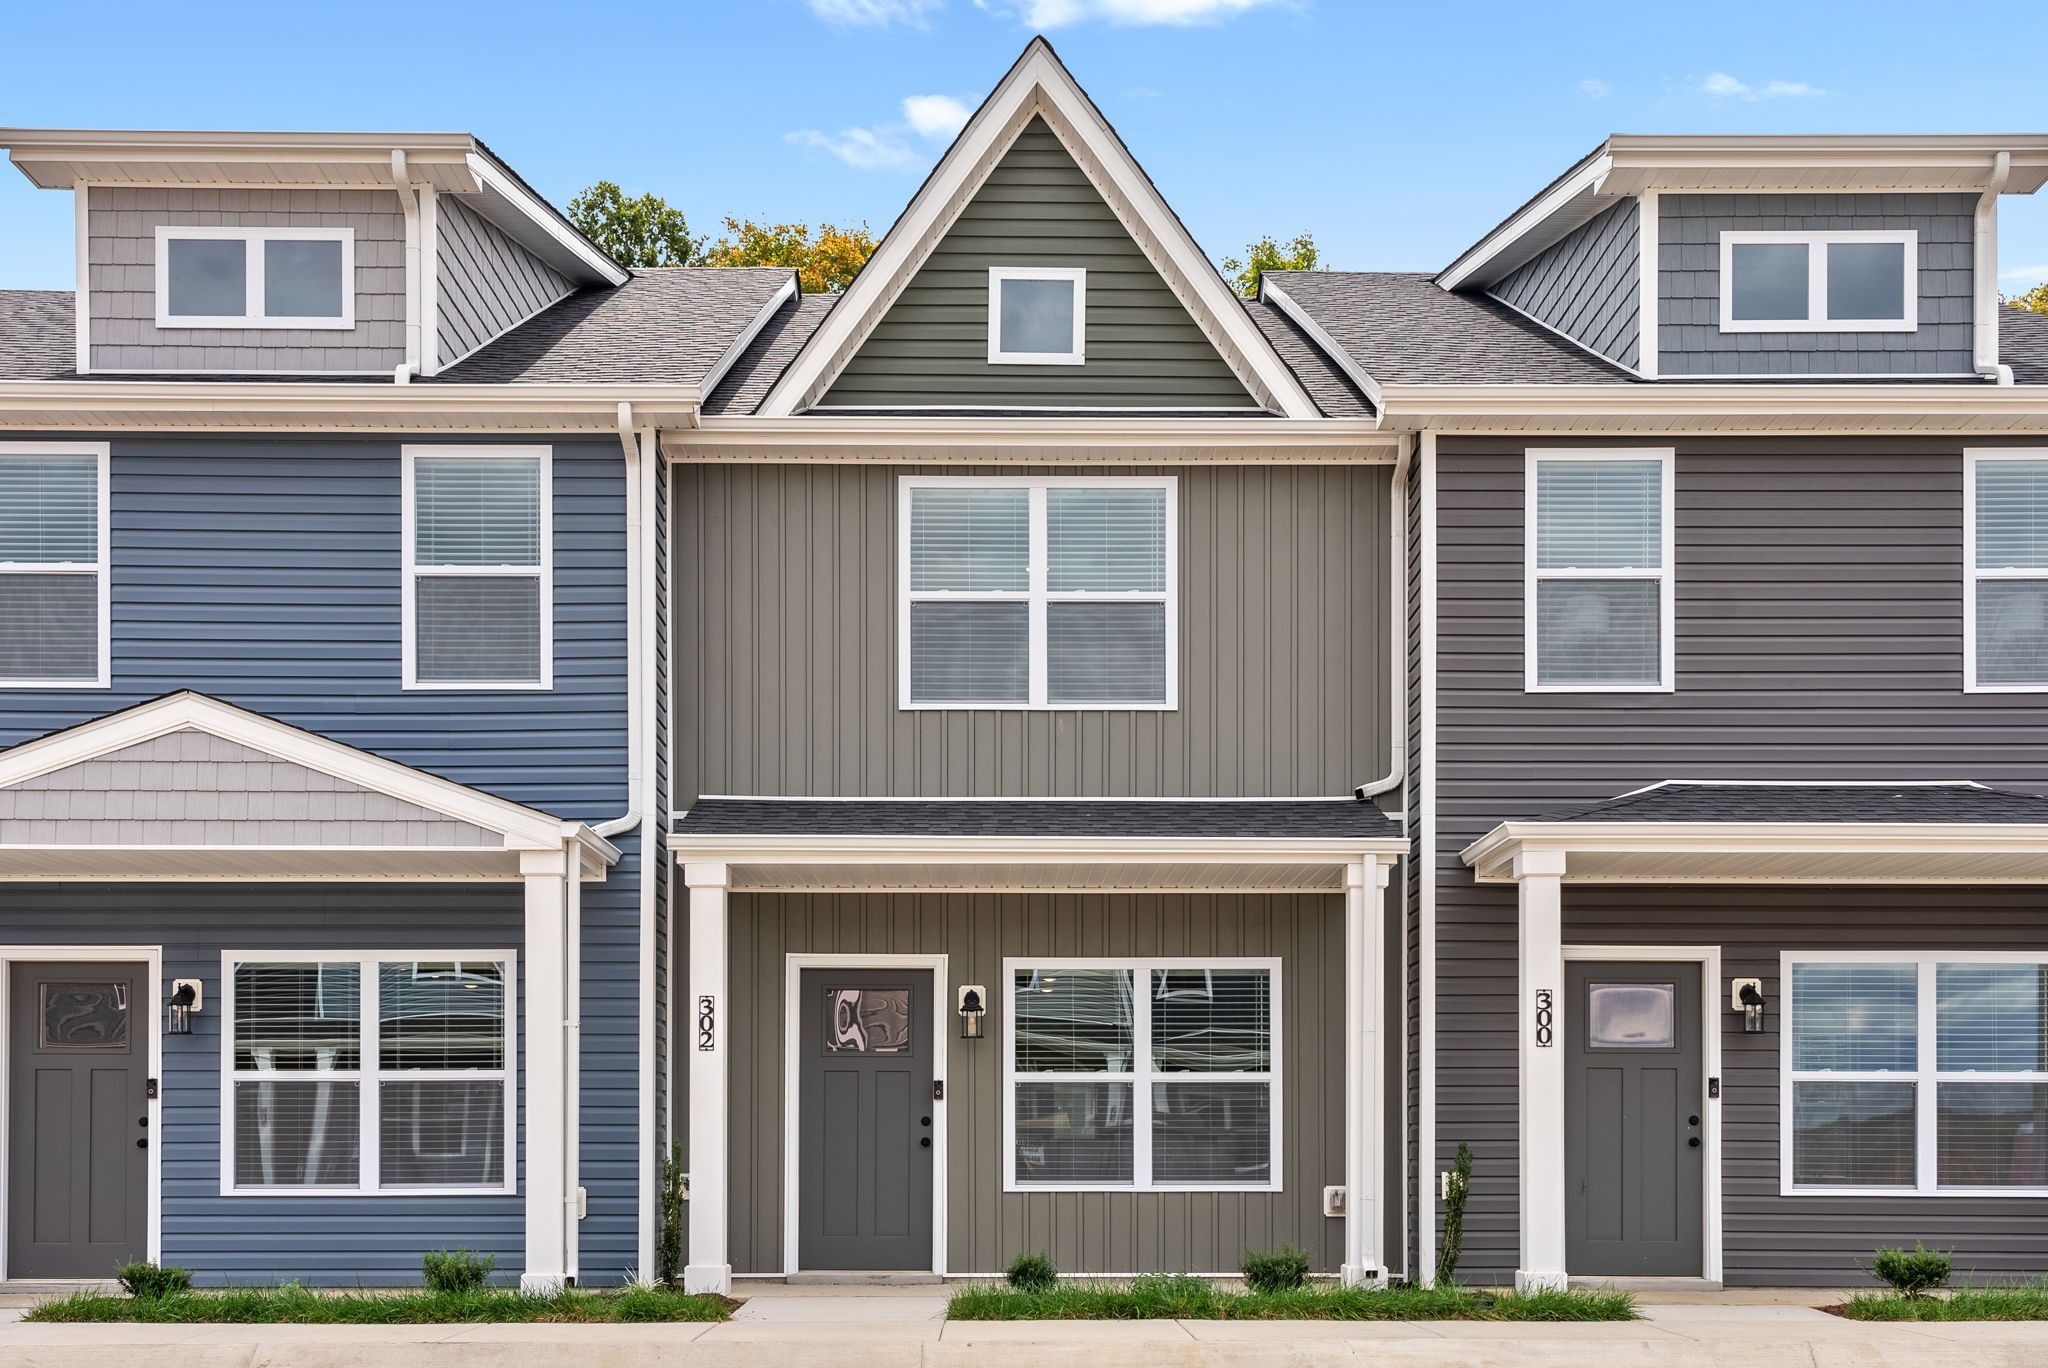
<point x="153" y="957"/>
<point x="792" y="996"/>
<point x="1708" y="957"/>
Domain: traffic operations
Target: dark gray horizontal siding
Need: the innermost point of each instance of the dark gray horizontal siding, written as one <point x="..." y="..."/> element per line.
<point x="1038" y="208"/>
<point x="1690" y="340"/>
<point x="786" y="590"/>
<point x="1586" y="286"/>
<point x="1818" y="636"/>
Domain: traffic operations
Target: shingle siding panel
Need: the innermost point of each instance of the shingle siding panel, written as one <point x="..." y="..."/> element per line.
<point x="1586" y="286"/>
<point x="487" y="282"/>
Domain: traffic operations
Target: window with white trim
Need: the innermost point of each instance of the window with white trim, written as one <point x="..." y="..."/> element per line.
<point x="1143" y="1074"/>
<point x="367" y="1073"/>
<point x="1038" y="593"/>
<point x="255" y="277"/>
<point x="2005" y="591"/>
<point x="53" y="564"/>
<point x="479" y="568"/>
<point x="1037" y="316"/>
<point x="1598" y="585"/>
<point x="1843" y="281"/>
<point x="1918" y="1073"/>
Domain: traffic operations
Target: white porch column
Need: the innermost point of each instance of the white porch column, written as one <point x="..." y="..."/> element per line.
<point x="550" y="906"/>
<point x="1365" y="922"/>
<point x="1539" y="876"/>
<point x="705" y="1018"/>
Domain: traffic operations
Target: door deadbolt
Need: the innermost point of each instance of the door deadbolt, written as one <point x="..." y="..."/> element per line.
<point x="925" y="1141"/>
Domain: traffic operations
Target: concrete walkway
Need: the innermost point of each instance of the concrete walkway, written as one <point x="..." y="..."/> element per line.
<point x="844" y="1329"/>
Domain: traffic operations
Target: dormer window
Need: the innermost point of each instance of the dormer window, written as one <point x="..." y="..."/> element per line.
<point x="1866" y="281"/>
<point x="255" y="278"/>
<point x="1037" y="315"/>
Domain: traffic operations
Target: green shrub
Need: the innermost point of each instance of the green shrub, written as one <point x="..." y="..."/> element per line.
<point x="668" y="1248"/>
<point x="151" y="1283"/>
<point x="456" y="1270"/>
<point x="1913" y="1274"/>
<point x="1031" y="1273"/>
<point x="1452" y="1245"/>
<point x="1282" y="1270"/>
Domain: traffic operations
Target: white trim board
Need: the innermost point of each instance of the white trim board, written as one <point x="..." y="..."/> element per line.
<point x="792" y="1017"/>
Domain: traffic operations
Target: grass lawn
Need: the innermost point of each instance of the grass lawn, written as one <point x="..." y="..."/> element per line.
<point x="1187" y="1298"/>
<point x="298" y="1306"/>
<point x="2026" y="1302"/>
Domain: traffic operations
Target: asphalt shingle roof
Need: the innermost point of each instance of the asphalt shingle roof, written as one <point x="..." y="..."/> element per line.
<point x="2023" y="345"/>
<point x="663" y="326"/>
<point x="36" y="338"/>
<point x="1336" y="818"/>
<point x="769" y="354"/>
<point x="1334" y="394"/>
<point x="1680" y="801"/>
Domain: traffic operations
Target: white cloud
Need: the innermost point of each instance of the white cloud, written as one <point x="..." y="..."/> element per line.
<point x="937" y="117"/>
<point x="1721" y="86"/>
<point x="874" y="13"/>
<point x="868" y="149"/>
<point x="1051" y="14"/>
<point x="1596" y="88"/>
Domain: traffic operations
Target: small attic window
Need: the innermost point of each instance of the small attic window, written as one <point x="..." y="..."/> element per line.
<point x="1850" y="281"/>
<point x="255" y="278"/>
<point x="1037" y="315"/>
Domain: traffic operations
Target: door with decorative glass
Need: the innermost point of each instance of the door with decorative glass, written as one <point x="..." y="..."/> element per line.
<point x="78" y="1119"/>
<point x="866" y="1123"/>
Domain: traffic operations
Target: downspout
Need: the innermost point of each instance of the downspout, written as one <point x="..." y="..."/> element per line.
<point x="1984" y="332"/>
<point x="1397" y="598"/>
<point x="409" y="203"/>
<point x="637" y="522"/>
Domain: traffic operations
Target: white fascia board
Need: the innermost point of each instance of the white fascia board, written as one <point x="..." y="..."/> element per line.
<point x="295" y="404"/>
<point x="1285" y="303"/>
<point x="1755" y="397"/>
<point x="891" y="431"/>
<point x="55" y="158"/>
<point x="1496" y="848"/>
<point x="1494" y="250"/>
<point x="536" y="224"/>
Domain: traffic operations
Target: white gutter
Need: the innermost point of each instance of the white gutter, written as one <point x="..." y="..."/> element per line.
<point x="1984" y="266"/>
<point x="409" y="202"/>
<point x="1397" y="596"/>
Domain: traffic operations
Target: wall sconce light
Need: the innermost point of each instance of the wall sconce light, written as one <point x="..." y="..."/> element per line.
<point x="973" y="1007"/>
<point x="185" y="1000"/>
<point x="1747" y="997"/>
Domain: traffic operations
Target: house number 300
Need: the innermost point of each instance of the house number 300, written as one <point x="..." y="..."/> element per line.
<point x="1546" y="1018"/>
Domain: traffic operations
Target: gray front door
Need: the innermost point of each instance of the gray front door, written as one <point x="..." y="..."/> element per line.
<point x="78" y="1113"/>
<point x="865" y="1120"/>
<point x="1634" y="1098"/>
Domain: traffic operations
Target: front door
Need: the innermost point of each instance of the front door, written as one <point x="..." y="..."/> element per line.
<point x="1634" y="1145"/>
<point x="865" y="1119"/>
<point x="78" y="1117"/>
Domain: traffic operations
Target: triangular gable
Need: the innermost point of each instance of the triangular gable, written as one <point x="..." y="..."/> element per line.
<point x="1039" y="92"/>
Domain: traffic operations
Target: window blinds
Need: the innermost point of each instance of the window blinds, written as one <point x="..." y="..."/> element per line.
<point x="50" y="567"/>
<point x="478" y="582"/>
<point x="1598" y="573"/>
<point x="2010" y="568"/>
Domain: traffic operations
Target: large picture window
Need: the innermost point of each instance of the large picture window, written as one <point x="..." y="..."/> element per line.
<point x="368" y="1073"/>
<point x="479" y="568"/>
<point x="1038" y="593"/>
<point x="53" y="564"/>
<point x="2005" y="590"/>
<point x="1915" y="1073"/>
<point x="1598" y="585"/>
<point x="1143" y="1074"/>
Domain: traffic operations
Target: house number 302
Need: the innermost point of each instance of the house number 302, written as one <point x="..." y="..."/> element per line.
<point x="1546" y="1018"/>
<point x="707" y="1022"/>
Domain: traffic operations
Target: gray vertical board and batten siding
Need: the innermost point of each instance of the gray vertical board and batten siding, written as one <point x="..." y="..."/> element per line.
<point x="486" y="283"/>
<point x="1038" y="208"/>
<point x="786" y="590"/>
<point x="1586" y="285"/>
<point x="265" y="571"/>
<point x="1818" y="636"/>
<point x="121" y="224"/>
<point x="1689" y="337"/>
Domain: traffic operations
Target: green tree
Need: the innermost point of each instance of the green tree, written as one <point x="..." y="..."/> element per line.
<point x="2033" y="301"/>
<point x="643" y="231"/>
<point x="1268" y="255"/>
<point x="824" y="264"/>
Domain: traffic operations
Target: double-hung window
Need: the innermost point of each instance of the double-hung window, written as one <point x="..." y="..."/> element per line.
<point x="1140" y="1075"/>
<point x="53" y="564"/>
<point x="2005" y="591"/>
<point x="1038" y="593"/>
<point x="479" y="568"/>
<point x="255" y="278"/>
<point x="1598" y="582"/>
<point x="1916" y="1073"/>
<point x="1847" y="281"/>
<point x="368" y="1073"/>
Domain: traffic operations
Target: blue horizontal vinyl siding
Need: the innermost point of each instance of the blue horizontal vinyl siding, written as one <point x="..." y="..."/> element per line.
<point x="266" y="571"/>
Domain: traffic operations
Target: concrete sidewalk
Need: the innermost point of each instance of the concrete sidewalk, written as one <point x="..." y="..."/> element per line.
<point x="906" y="1332"/>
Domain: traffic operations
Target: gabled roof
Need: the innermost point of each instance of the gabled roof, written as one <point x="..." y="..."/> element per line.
<point x="1039" y="86"/>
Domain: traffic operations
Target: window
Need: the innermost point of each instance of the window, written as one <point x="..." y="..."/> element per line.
<point x="1915" y="1073"/>
<point x="367" y="1073"/>
<point x="1038" y="593"/>
<point x="479" y="568"/>
<point x="255" y="277"/>
<point x="1820" y="282"/>
<point x="1598" y="582"/>
<point x="2005" y="589"/>
<point x="1037" y="316"/>
<point x="1143" y="1074"/>
<point x="53" y="564"/>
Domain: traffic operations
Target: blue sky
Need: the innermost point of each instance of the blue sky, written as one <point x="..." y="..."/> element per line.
<point x="1395" y="134"/>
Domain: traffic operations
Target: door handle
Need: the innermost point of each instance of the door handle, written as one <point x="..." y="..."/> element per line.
<point x="925" y="1140"/>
